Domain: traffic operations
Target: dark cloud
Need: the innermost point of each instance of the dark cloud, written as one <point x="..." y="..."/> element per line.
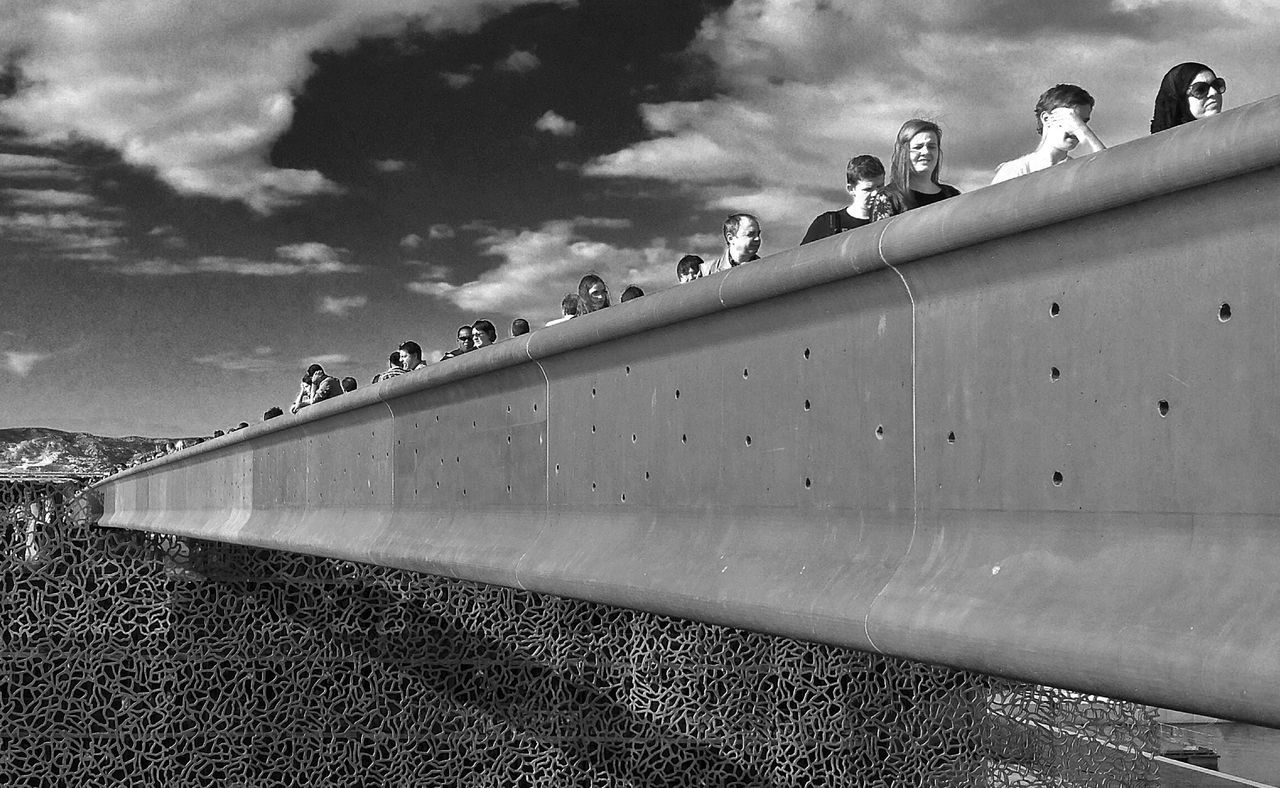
<point x="11" y="75"/>
<point x="475" y="142"/>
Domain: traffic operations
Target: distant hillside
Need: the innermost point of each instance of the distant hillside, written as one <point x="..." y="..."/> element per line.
<point x="47" y="451"/>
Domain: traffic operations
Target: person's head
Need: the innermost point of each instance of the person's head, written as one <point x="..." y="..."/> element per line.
<point x="220" y="433"/>
<point x="631" y="291"/>
<point x="348" y="384"/>
<point x="270" y="413"/>
<point x="393" y="360"/>
<point x="483" y="333"/>
<point x="1189" y="91"/>
<point x="315" y="374"/>
<point x="519" y="326"/>
<point x="464" y="338"/>
<point x="917" y="155"/>
<point x="592" y="294"/>
<point x="410" y="354"/>
<point x="569" y="305"/>
<point x="689" y="268"/>
<point x="742" y="236"/>
<point x="1072" y="97"/>
<point x="863" y="178"/>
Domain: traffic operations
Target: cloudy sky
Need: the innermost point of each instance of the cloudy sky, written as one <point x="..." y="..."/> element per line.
<point x="199" y="198"/>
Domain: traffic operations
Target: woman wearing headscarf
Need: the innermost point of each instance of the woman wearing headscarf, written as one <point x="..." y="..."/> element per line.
<point x="1189" y="91"/>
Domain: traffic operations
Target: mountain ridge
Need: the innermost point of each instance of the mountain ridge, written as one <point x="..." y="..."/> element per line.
<point x="46" y="451"/>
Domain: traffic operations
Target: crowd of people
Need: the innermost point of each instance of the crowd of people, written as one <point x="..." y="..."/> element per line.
<point x="1189" y="91"/>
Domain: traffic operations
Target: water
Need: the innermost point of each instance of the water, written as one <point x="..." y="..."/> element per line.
<point x="1245" y="751"/>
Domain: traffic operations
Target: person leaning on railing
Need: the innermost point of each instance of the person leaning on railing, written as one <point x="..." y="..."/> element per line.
<point x="464" y="343"/>
<point x="316" y="387"/>
<point x="393" y="368"/>
<point x="689" y="268"/>
<point x="568" y="309"/>
<point x="483" y="333"/>
<point x="593" y="294"/>
<point x="1189" y="91"/>
<point x="864" y="177"/>
<point x="914" y="171"/>
<point x="742" y="238"/>
<point x="1062" y="121"/>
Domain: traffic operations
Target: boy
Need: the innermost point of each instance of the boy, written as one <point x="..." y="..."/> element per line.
<point x="1062" y="121"/>
<point x="864" y="177"/>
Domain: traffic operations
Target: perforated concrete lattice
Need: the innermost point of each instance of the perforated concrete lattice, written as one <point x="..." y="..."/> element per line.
<point x="131" y="659"/>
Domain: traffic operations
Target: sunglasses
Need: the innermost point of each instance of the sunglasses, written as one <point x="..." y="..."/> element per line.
<point x="1200" y="90"/>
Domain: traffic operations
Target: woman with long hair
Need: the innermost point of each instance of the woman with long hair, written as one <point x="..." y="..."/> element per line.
<point x="1189" y="91"/>
<point x="593" y="295"/>
<point x="914" y="171"/>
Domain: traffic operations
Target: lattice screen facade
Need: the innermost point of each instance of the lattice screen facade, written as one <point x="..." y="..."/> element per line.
<point x="129" y="659"/>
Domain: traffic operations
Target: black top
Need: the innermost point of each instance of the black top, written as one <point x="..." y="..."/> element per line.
<point x="923" y="199"/>
<point x="832" y="223"/>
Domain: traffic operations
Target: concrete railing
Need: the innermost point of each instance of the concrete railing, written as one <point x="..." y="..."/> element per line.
<point x="1027" y="431"/>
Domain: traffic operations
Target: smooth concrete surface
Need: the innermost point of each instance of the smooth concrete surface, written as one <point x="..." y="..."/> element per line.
<point x="1015" y="432"/>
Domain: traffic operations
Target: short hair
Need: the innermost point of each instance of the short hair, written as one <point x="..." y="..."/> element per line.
<point x="486" y="328"/>
<point x="569" y="304"/>
<point x="519" y="326"/>
<point x="412" y="348"/>
<point x="688" y="265"/>
<point x="630" y="292"/>
<point x="265" y="416"/>
<point x="863" y="168"/>
<point x="348" y="384"/>
<point x="1058" y="96"/>
<point x="734" y="220"/>
<point x="271" y="413"/>
<point x="313" y="369"/>
<point x="394" y="358"/>
<point x="468" y="328"/>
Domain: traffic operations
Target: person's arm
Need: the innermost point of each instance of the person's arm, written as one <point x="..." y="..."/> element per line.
<point x="328" y="389"/>
<point x="301" y="400"/>
<point x="1072" y="123"/>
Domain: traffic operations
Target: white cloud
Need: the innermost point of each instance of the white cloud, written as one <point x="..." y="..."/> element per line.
<point x="21" y="363"/>
<point x="410" y="242"/>
<point x="311" y="259"/>
<point x="602" y="222"/>
<point x="440" y="231"/>
<point x="47" y="198"/>
<point x="72" y="234"/>
<point x="17" y="165"/>
<point x="555" y="125"/>
<point x="342" y="305"/>
<point x="457" y="81"/>
<point x="325" y="359"/>
<point x="539" y="266"/>
<point x="390" y="165"/>
<point x="431" y="270"/>
<point x="520" y="61"/>
<point x="806" y="84"/>
<point x="478" y="226"/>
<point x="260" y="359"/>
<point x="264" y="359"/>
<point x="312" y="252"/>
<point x="198" y="90"/>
